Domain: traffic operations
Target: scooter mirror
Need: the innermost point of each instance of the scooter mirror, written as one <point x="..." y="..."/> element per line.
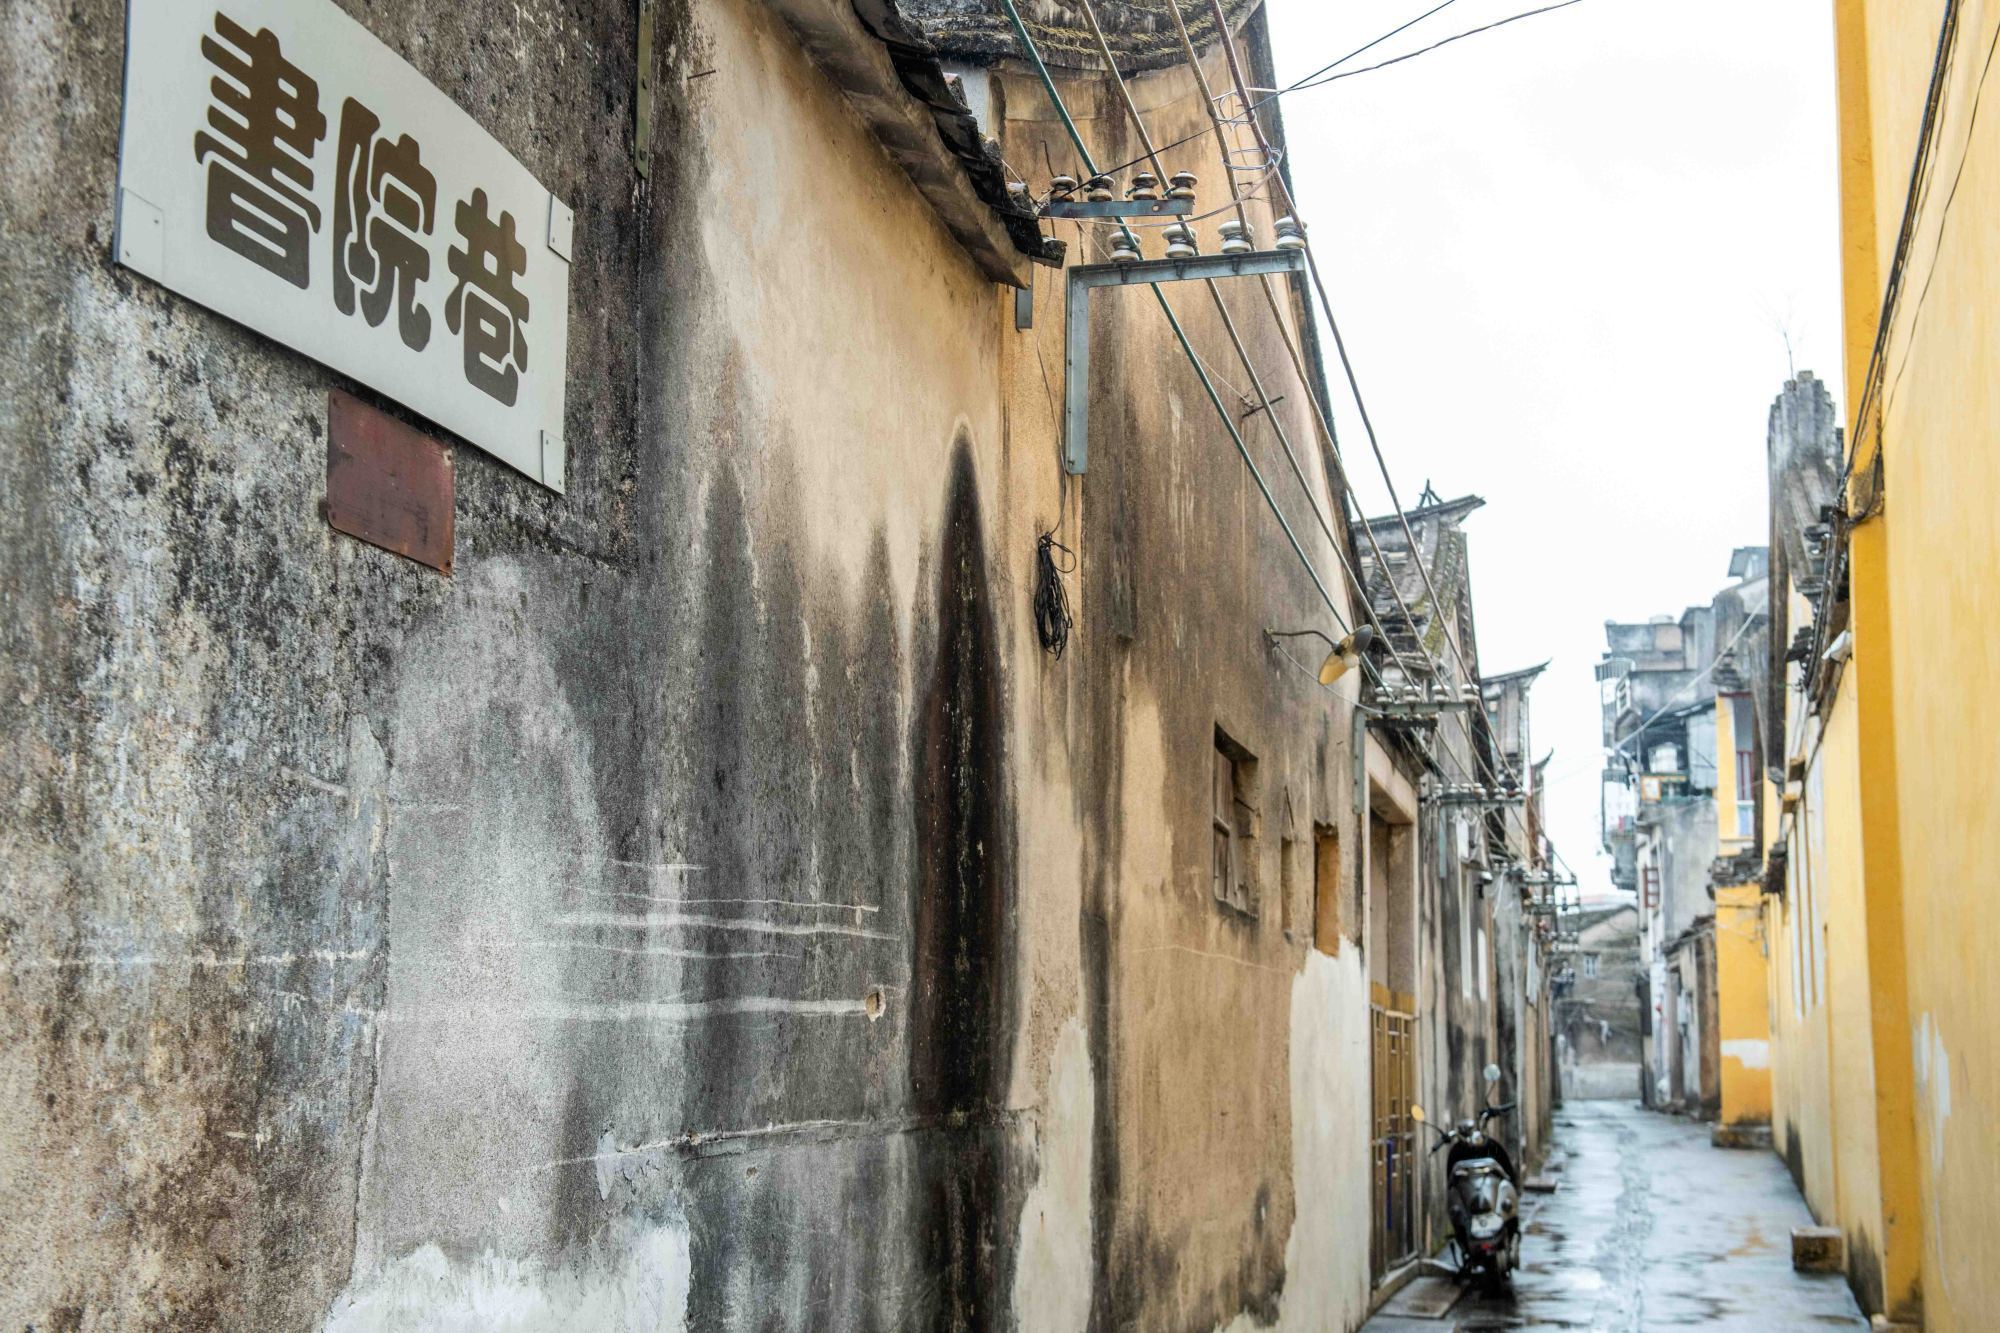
<point x="1417" y="1113"/>
<point x="1493" y="1073"/>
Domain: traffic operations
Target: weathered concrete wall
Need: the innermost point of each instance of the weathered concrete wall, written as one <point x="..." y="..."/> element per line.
<point x="708" y="906"/>
<point x="235" y="742"/>
<point x="1210" y="1167"/>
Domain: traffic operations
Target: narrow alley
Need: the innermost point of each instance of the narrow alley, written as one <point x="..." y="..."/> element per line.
<point x="998" y="666"/>
<point x="1649" y="1227"/>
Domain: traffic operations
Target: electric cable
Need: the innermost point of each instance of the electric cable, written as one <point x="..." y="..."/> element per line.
<point x="1364" y="49"/>
<point x="1275" y="94"/>
<point x="1051" y="601"/>
<point x="1906" y="233"/>
<point x="1173" y="322"/>
<point x="1944" y="216"/>
<point x="1326" y="307"/>
<point x="1321" y="80"/>
<point x="1325" y="423"/>
<point x="1330" y="453"/>
<point x="1262" y="400"/>
<point x="1534" y="840"/>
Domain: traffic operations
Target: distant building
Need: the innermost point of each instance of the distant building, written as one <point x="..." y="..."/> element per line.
<point x="1680" y="743"/>
<point x="1599" y="1022"/>
<point x="1451" y="796"/>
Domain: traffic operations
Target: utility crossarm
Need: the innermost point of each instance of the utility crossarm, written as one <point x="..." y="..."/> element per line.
<point x="1117" y="208"/>
<point x="1076" y="311"/>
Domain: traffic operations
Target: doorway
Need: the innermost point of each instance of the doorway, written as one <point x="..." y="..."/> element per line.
<point x="1396" y="1154"/>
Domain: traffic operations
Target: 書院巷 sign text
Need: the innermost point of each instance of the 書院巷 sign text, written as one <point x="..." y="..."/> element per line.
<point x="282" y="166"/>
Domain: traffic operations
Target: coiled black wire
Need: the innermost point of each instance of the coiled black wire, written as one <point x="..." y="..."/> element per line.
<point x="1052" y="617"/>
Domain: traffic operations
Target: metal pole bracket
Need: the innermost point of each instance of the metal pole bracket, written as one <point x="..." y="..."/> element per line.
<point x="1117" y="208"/>
<point x="1083" y="278"/>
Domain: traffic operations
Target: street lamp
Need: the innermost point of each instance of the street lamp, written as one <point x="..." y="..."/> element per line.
<point x="1346" y="654"/>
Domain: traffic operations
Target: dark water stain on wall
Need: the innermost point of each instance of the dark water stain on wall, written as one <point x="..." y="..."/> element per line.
<point x="1864" y="1270"/>
<point x="1104" y="1179"/>
<point x="795" y="789"/>
<point x="962" y="974"/>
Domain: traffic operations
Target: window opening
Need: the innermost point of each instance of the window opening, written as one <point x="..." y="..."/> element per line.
<point x="1327" y="889"/>
<point x="1233" y="823"/>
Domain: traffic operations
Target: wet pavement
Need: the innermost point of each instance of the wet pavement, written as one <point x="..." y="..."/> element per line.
<point x="1650" y="1228"/>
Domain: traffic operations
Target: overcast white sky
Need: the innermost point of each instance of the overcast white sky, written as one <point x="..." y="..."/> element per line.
<point x="1561" y="253"/>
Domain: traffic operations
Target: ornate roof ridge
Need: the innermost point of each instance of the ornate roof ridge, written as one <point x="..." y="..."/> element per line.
<point x="1140" y="33"/>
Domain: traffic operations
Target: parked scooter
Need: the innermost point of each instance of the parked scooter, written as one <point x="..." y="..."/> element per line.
<point x="1482" y="1193"/>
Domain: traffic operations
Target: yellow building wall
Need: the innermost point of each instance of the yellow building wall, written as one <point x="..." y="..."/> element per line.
<point x="1826" y="1098"/>
<point x="1728" y="828"/>
<point x="1801" y="1113"/>
<point x="1809" y="1058"/>
<point x="1940" y="563"/>
<point x="1831" y="812"/>
<point x="1743" y="1021"/>
<point x="1926" y="594"/>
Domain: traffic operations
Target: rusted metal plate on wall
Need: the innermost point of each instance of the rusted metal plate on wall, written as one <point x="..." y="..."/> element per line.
<point x="387" y="484"/>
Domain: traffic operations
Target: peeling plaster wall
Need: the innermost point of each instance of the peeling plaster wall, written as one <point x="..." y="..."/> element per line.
<point x="708" y="908"/>
<point x="1197" y="1045"/>
<point x="1328" y="1286"/>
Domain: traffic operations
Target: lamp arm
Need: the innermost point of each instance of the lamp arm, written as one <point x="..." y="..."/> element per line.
<point x="1302" y="634"/>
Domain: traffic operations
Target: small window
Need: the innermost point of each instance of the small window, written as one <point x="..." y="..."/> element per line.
<point x="1744" y="724"/>
<point x="1327" y="889"/>
<point x="1233" y="823"/>
<point x="1590" y="965"/>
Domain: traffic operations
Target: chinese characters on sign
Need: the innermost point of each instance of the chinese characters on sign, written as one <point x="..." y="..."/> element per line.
<point x="345" y="234"/>
<point x="494" y="310"/>
<point x="385" y="252"/>
<point x="269" y="112"/>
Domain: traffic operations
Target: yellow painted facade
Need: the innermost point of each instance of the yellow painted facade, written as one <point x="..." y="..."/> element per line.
<point x="1884" y="955"/>
<point x="1825" y="1095"/>
<point x="1743" y="1021"/>
<point x="1732" y="831"/>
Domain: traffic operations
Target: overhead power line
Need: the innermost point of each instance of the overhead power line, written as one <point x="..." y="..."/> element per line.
<point x="1944" y="216"/>
<point x="1906" y="233"/>
<point x="1535" y="838"/>
<point x="1180" y="334"/>
<point x="1323" y="78"/>
<point x="1330" y="454"/>
<point x="1323" y="75"/>
<point x="1369" y="46"/>
<point x="1250" y="117"/>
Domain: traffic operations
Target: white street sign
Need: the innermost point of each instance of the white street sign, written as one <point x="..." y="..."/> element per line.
<point x="282" y="166"/>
